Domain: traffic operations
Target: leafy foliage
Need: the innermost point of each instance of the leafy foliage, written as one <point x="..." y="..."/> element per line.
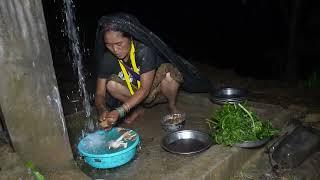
<point x="314" y="80"/>
<point x="234" y="123"/>
<point x="33" y="171"/>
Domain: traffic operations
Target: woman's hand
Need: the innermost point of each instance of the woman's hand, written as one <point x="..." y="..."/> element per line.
<point x="108" y="119"/>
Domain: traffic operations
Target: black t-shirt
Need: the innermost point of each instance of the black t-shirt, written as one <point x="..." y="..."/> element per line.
<point x="146" y="60"/>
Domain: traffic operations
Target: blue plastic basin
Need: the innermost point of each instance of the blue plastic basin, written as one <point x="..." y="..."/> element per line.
<point x="96" y="153"/>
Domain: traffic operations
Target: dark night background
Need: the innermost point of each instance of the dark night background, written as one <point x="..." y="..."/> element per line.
<point x="263" y="39"/>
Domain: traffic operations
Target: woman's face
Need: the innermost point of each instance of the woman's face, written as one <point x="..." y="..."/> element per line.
<point x="117" y="44"/>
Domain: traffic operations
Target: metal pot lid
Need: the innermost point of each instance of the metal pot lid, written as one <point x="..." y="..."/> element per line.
<point x="228" y="95"/>
<point x="229" y="92"/>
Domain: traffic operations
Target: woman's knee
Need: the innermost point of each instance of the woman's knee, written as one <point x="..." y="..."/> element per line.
<point x="169" y="82"/>
<point x="168" y="78"/>
<point x="172" y="74"/>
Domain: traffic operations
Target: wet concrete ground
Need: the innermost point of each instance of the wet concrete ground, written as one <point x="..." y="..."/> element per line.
<point x="153" y="162"/>
<point x="273" y="99"/>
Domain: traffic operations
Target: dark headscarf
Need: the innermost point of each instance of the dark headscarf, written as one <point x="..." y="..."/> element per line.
<point x="193" y="80"/>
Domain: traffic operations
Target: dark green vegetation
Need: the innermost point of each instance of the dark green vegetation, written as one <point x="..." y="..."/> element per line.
<point x="314" y="80"/>
<point x="235" y="123"/>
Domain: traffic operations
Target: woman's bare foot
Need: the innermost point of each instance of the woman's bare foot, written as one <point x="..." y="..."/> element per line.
<point x="133" y="116"/>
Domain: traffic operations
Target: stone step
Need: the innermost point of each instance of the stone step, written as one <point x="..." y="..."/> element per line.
<point x="259" y="167"/>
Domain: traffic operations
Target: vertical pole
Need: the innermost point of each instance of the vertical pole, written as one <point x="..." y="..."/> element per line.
<point x="29" y="96"/>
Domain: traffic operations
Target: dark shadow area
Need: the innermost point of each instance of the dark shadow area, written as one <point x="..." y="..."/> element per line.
<point x="4" y="134"/>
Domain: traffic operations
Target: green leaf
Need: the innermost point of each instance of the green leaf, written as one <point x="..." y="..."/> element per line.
<point x="29" y="165"/>
<point x="38" y="175"/>
<point x="35" y="173"/>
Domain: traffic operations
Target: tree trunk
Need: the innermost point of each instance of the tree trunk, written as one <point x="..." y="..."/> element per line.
<point x="291" y="69"/>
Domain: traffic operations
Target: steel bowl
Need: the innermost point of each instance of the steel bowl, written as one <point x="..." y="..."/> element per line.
<point x="173" y="122"/>
<point x="186" y="142"/>
<point x="228" y="95"/>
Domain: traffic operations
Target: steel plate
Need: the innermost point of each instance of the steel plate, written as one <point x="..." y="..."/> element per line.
<point x="252" y="144"/>
<point x="186" y="142"/>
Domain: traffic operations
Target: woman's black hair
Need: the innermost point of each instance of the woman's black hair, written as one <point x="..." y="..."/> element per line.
<point x="112" y="27"/>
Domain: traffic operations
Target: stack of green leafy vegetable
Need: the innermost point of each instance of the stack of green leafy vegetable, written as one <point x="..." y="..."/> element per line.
<point x="234" y="123"/>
